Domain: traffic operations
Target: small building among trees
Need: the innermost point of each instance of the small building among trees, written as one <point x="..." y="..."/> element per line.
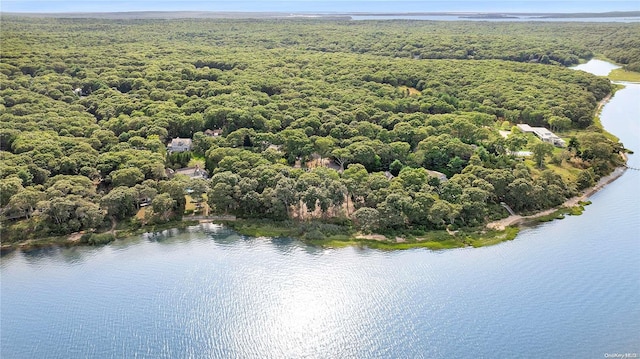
<point x="543" y="134"/>
<point x="192" y="172"/>
<point x="213" y="133"/>
<point x="180" y="145"/>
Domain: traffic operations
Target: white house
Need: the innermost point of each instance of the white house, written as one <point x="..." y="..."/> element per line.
<point x="543" y="134"/>
<point x="180" y="145"/>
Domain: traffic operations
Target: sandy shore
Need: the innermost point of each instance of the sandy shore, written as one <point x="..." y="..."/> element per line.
<point x="571" y="202"/>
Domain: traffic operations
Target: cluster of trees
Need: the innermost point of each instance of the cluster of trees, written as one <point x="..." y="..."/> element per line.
<point x="548" y="43"/>
<point x="88" y="106"/>
<point x="69" y="203"/>
<point x="414" y="198"/>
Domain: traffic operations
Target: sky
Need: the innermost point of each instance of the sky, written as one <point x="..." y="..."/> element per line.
<point x="319" y="6"/>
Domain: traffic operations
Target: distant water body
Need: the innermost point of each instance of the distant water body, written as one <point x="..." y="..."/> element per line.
<point x="597" y="67"/>
<point x="303" y="6"/>
<point x="565" y="289"/>
<point x="516" y="18"/>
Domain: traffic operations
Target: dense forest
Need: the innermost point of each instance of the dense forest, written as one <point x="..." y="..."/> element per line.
<point x="381" y="126"/>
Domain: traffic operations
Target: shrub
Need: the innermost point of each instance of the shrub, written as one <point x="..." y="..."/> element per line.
<point x="97" y="238"/>
<point x="315" y="235"/>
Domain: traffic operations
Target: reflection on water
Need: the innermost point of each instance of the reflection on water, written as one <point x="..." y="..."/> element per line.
<point x="567" y="288"/>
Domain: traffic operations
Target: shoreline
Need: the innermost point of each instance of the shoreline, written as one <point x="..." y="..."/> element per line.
<point x="493" y="232"/>
<point x="517" y="220"/>
<point x="489" y="234"/>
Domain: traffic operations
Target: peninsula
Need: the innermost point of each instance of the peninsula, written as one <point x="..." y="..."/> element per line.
<point x="323" y="129"/>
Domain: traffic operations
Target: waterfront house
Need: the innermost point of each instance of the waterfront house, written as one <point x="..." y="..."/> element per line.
<point x="543" y="134"/>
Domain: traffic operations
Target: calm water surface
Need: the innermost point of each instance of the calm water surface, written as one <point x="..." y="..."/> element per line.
<point x="505" y="19"/>
<point x="599" y="68"/>
<point x="569" y="288"/>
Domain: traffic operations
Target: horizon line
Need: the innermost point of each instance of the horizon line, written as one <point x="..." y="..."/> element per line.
<point x="408" y="13"/>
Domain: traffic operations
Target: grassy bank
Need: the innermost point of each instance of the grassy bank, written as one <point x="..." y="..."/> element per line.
<point x="330" y="235"/>
<point x="560" y="214"/>
<point x="624" y="75"/>
<point x="387" y="245"/>
<point x="490" y="238"/>
<point x="315" y="233"/>
<point x="435" y="240"/>
<point x="135" y="231"/>
<point x="122" y="230"/>
<point x="30" y="244"/>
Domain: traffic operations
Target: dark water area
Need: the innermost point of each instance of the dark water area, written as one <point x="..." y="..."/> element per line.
<point x="568" y="288"/>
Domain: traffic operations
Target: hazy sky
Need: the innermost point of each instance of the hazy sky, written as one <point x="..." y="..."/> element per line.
<point x="314" y="5"/>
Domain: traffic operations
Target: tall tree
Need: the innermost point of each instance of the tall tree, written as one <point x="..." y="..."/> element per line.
<point x="163" y="205"/>
<point x="540" y="151"/>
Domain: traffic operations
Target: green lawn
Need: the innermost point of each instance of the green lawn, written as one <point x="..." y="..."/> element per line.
<point x="190" y="206"/>
<point x="623" y="75"/>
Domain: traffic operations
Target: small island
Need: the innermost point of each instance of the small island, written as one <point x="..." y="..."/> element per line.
<point x="333" y="131"/>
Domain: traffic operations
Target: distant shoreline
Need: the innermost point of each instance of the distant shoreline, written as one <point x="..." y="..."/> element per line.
<point x="123" y="15"/>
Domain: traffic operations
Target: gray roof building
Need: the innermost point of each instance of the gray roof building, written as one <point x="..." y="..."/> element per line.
<point x="180" y="145"/>
<point x="543" y="134"/>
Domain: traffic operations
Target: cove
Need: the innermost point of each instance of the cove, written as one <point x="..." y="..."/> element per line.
<point x="566" y="288"/>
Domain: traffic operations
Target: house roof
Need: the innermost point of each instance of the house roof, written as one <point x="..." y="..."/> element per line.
<point x="541" y="132"/>
<point x="525" y="128"/>
<point x="192" y="172"/>
<point x="210" y="132"/>
<point x="181" y="142"/>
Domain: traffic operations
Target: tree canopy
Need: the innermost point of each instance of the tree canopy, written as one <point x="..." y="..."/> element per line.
<point x="312" y="118"/>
